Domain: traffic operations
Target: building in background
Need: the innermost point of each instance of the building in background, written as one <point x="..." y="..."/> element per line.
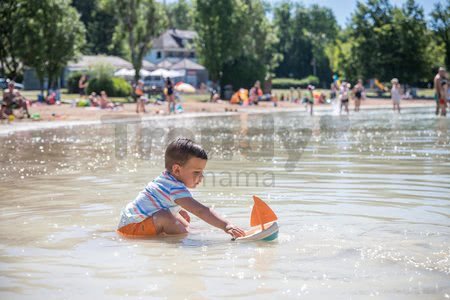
<point x="84" y="64"/>
<point x="175" y="50"/>
<point x="173" y="45"/>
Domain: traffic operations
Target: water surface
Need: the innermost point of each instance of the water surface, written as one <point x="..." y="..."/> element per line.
<point x="363" y="205"/>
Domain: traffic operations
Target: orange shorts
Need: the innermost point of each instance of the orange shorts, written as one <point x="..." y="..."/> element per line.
<point x="145" y="228"/>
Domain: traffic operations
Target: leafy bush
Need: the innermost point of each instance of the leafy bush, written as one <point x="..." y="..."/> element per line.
<point x="114" y="87"/>
<point x="286" y="83"/>
<point x="102" y="71"/>
<point x="101" y="84"/>
<point x="72" y="82"/>
<point x="102" y="80"/>
<point x="121" y="87"/>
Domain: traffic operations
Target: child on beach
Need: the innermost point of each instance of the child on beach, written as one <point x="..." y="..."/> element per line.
<point x="396" y="94"/>
<point x="161" y="206"/>
<point x="310" y="99"/>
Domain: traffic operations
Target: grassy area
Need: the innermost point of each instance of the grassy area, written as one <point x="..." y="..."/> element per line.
<point x="65" y="97"/>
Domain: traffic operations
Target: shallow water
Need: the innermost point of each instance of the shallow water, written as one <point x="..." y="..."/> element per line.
<point x="363" y="206"/>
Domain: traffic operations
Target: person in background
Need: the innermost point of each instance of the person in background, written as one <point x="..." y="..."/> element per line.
<point x="358" y="91"/>
<point x="139" y="92"/>
<point x="438" y="87"/>
<point x="310" y="100"/>
<point x="333" y="93"/>
<point x="170" y="96"/>
<point x="443" y="97"/>
<point x="104" y="101"/>
<point x="82" y="85"/>
<point x="93" y="100"/>
<point x="12" y="99"/>
<point x="344" y="96"/>
<point x="396" y="94"/>
<point x="255" y="93"/>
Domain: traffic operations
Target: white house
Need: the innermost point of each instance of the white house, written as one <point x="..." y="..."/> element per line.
<point x="173" y="45"/>
<point x="175" y="50"/>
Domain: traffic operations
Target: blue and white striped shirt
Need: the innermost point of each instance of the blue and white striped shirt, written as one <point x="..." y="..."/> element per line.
<point x="160" y="193"/>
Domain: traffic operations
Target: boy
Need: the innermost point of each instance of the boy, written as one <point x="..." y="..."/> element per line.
<point x="157" y="209"/>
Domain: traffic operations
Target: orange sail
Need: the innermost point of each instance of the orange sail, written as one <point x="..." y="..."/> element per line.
<point x="261" y="213"/>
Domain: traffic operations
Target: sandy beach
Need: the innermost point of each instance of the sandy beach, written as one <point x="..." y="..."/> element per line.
<point x="64" y="112"/>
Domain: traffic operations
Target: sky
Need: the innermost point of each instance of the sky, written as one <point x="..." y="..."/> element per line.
<point x="343" y="8"/>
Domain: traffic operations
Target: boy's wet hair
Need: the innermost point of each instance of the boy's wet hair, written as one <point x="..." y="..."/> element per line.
<point x="181" y="150"/>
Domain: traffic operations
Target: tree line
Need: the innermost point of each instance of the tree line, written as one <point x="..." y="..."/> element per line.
<point x="239" y="41"/>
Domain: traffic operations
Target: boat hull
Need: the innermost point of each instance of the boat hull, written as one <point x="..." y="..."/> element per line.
<point x="255" y="233"/>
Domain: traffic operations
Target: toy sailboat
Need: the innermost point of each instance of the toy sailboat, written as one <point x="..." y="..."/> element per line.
<point x="263" y="223"/>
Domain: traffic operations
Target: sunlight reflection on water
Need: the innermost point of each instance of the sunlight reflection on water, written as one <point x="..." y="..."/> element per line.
<point x="363" y="204"/>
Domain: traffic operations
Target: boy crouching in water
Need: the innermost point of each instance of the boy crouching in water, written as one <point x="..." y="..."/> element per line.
<point x="161" y="206"/>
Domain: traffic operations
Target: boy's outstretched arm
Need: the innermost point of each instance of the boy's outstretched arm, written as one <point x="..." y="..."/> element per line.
<point x="209" y="216"/>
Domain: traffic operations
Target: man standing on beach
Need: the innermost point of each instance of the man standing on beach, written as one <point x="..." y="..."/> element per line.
<point x="438" y="87"/>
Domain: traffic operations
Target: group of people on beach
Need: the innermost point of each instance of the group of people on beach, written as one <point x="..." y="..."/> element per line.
<point x="340" y="92"/>
<point x="141" y="98"/>
<point x="100" y="100"/>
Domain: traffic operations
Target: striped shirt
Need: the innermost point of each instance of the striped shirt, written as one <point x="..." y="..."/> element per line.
<point x="161" y="193"/>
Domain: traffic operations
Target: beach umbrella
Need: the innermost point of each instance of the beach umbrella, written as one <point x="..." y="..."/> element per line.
<point x="167" y="73"/>
<point x="130" y="73"/>
<point x="143" y="73"/>
<point x="124" y="72"/>
<point x="185" y="88"/>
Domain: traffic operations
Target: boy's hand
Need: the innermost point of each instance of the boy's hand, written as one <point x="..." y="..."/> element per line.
<point x="185" y="215"/>
<point x="234" y="231"/>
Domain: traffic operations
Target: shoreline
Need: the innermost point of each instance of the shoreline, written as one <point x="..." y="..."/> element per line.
<point x="66" y="116"/>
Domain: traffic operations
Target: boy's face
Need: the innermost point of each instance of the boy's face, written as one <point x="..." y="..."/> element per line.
<point x="191" y="173"/>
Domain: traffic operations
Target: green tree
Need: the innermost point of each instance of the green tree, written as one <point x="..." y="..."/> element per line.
<point x="51" y="35"/>
<point x="283" y="19"/>
<point x="375" y="44"/>
<point x="180" y="15"/>
<point x="440" y="24"/>
<point x="9" y="50"/>
<point x="340" y="57"/>
<point x="410" y="27"/>
<point x="219" y="28"/>
<point x="257" y="58"/>
<point x="304" y="34"/>
<point x="100" y="21"/>
<point x="390" y="41"/>
<point x="235" y="41"/>
<point x="140" y="22"/>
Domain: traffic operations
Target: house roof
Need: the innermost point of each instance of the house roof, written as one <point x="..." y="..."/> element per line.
<point x="88" y="61"/>
<point x="148" y="65"/>
<point x="175" y="39"/>
<point x="187" y="64"/>
<point x="164" y="64"/>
